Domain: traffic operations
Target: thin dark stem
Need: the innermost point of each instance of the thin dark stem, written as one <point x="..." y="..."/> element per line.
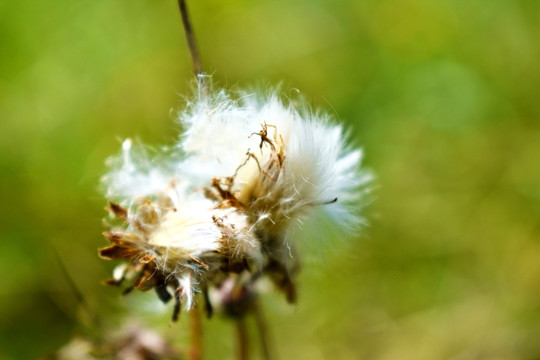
<point x="262" y="329"/>
<point x="242" y="338"/>
<point x="76" y="291"/>
<point x="196" y="333"/>
<point x="190" y="36"/>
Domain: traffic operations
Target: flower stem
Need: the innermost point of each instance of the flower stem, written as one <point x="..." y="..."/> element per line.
<point x="242" y="338"/>
<point x="196" y="333"/>
<point x="190" y="36"/>
<point x="262" y="329"/>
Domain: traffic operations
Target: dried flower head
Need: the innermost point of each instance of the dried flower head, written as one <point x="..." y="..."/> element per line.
<point x="224" y="199"/>
<point x="133" y="342"/>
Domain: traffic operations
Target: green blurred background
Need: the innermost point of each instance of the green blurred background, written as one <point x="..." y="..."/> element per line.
<point x="442" y="95"/>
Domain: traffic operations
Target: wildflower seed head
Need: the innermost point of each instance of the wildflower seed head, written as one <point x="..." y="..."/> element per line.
<point x="222" y="201"/>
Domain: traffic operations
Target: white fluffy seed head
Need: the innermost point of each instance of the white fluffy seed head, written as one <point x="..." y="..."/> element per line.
<point x="245" y="170"/>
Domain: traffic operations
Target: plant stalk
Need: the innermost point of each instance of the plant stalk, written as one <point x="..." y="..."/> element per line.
<point x="242" y="338"/>
<point x="190" y="37"/>
<point x="196" y="332"/>
<point x="262" y="329"/>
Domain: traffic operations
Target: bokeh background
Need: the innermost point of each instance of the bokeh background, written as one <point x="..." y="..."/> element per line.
<point x="442" y="95"/>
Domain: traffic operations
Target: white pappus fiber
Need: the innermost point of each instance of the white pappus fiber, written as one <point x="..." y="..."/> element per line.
<point x="222" y="201"/>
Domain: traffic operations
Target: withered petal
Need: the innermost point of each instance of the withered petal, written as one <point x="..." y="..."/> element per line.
<point x="113" y="282"/>
<point x="118" y="252"/>
<point x="117" y="210"/>
<point x="117" y="238"/>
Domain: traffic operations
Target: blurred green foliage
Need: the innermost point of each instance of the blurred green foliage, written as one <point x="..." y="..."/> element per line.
<point x="443" y="96"/>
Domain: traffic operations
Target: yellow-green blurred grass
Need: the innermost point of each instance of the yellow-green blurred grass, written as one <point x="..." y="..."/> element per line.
<point x="443" y="96"/>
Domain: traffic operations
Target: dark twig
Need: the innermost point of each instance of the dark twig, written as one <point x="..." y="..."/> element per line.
<point x="190" y="36"/>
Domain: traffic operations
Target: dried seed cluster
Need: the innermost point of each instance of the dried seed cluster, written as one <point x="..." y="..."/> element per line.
<point x="220" y="205"/>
